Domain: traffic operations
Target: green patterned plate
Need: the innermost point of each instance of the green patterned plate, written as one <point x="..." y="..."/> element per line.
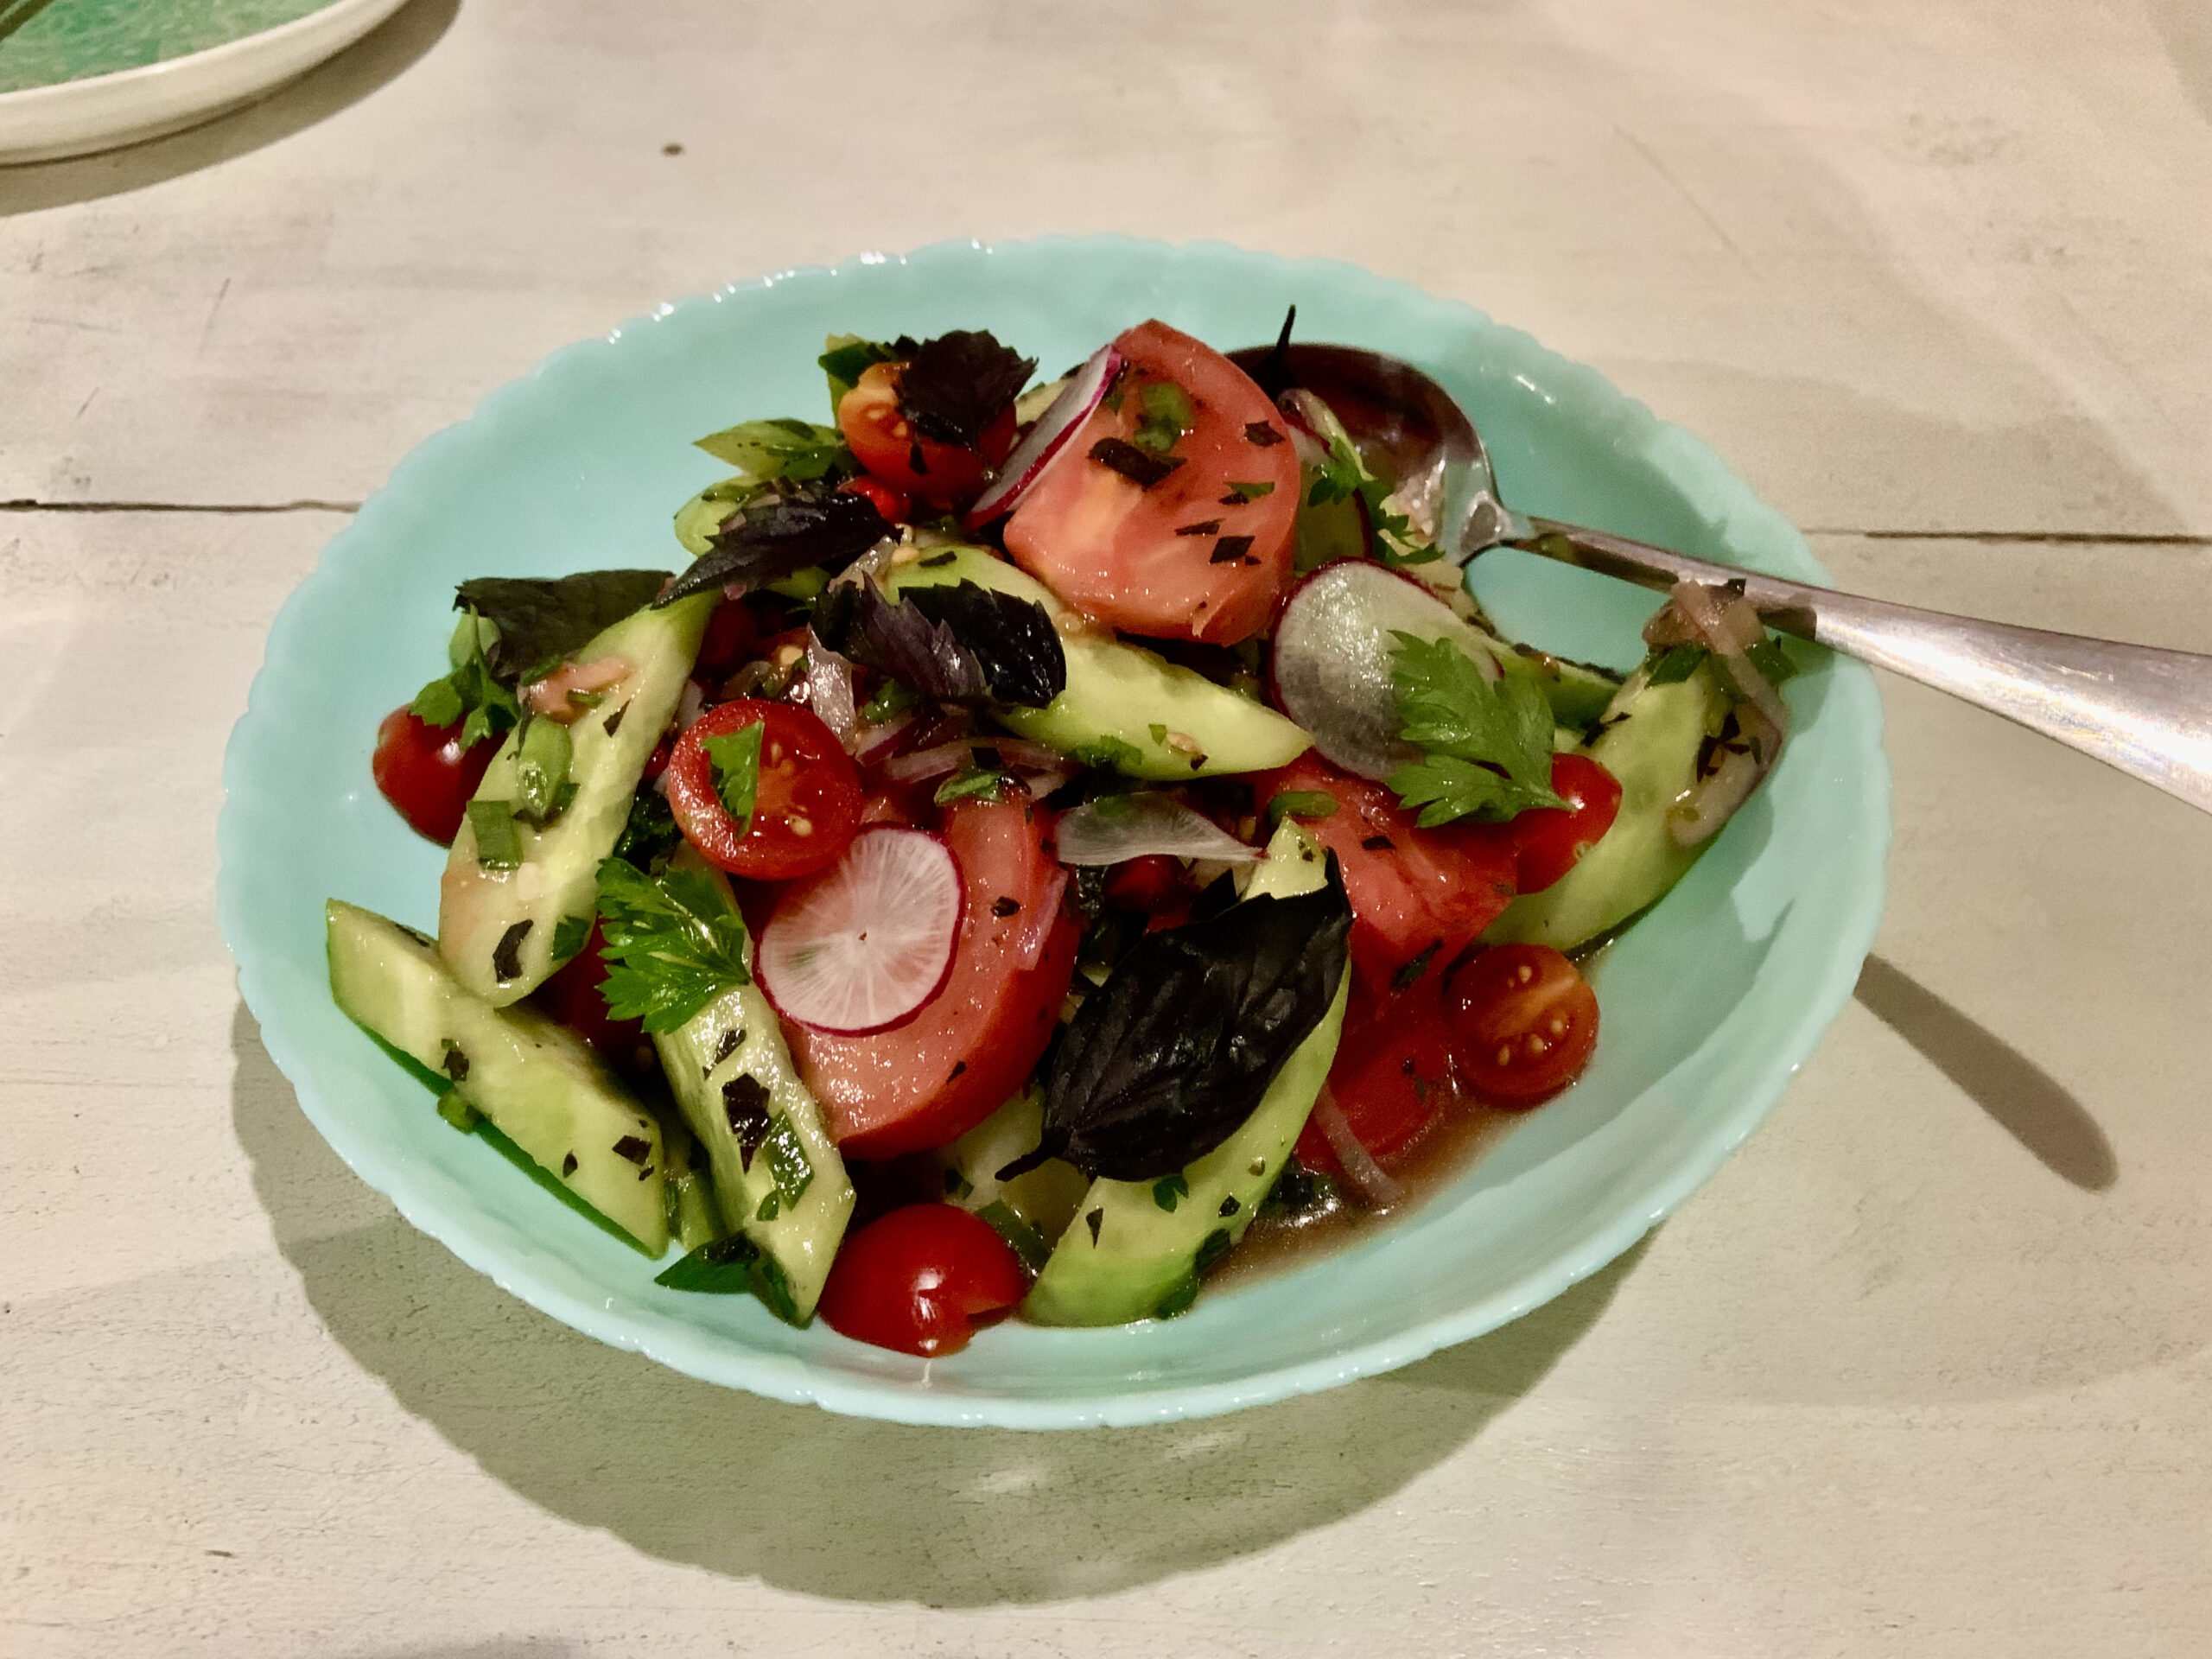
<point x="1709" y="1003"/>
<point x="77" y="75"/>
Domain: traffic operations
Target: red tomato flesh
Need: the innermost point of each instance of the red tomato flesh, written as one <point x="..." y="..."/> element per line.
<point x="915" y="1280"/>
<point x="1111" y="549"/>
<point x="1412" y="890"/>
<point x="1394" y="1076"/>
<point x="895" y="505"/>
<point x="932" y="1079"/>
<point x="426" y="774"/>
<point x="884" y="442"/>
<point x="805" y="810"/>
<point x="1524" y="1022"/>
<point x="574" y="997"/>
<point x="1551" y="839"/>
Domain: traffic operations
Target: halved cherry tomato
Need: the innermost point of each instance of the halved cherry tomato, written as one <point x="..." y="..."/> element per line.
<point x="574" y="997"/>
<point x="1204" y="553"/>
<point x="426" y="774"/>
<point x="805" y="810"/>
<point x="1393" y="1076"/>
<point x="896" y="505"/>
<point x="1412" y="890"/>
<point x="934" y="1079"/>
<point x="885" y="442"/>
<point x="915" y="1280"/>
<point x="1551" y="839"/>
<point x="1524" y="1022"/>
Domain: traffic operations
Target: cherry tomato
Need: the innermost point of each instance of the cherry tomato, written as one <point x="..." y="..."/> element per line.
<point x="574" y="997"/>
<point x="732" y="638"/>
<point x="1412" y="890"/>
<point x="896" y="505"/>
<point x="426" y="774"/>
<point x="885" y="442"/>
<point x="1393" y="1078"/>
<point x="915" y="1280"/>
<point x="1148" y="884"/>
<point x="960" y="1058"/>
<point x="1524" y="1022"/>
<point x="1143" y="559"/>
<point x="805" y="810"/>
<point x="1551" y="838"/>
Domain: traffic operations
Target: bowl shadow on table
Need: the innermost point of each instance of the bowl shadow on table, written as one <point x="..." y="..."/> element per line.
<point x="382" y="56"/>
<point x="843" y="1507"/>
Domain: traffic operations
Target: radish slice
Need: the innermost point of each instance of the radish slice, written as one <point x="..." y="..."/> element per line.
<point x="1117" y="827"/>
<point x="1085" y="388"/>
<point x="867" y="943"/>
<point x="1332" y="666"/>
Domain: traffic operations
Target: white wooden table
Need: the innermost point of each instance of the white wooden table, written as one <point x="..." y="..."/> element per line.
<point x="1928" y="1369"/>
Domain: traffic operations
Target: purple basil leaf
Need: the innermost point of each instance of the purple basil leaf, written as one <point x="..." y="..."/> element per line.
<point x="778" y="534"/>
<point x="956" y="385"/>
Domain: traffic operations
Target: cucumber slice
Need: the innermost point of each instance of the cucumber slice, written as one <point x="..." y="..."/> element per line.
<point x="497" y="928"/>
<point x="1136" y="1249"/>
<point x="537" y="1080"/>
<point x="777" y="1177"/>
<point x="1122" y="703"/>
<point x="1651" y="749"/>
<point x="1033" y="1209"/>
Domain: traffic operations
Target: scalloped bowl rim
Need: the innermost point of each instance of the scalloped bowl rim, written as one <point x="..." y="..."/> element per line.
<point x="477" y="1241"/>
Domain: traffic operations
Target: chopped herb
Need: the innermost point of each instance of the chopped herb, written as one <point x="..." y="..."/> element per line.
<point x="797" y="450"/>
<point x="735" y="759"/>
<point x="771" y="1206"/>
<point x="1247" y="491"/>
<point x="1203" y="527"/>
<point x="957" y="1186"/>
<point x="1229" y="1206"/>
<point x="1377" y="844"/>
<point x="456" y="1061"/>
<point x="1107" y="752"/>
<point x="459" y="1113"/>
<point x="1007" y="906"/>
<point x="970" y="786"/>
<point x="745" y="1109"/>
<point x="506" y="955"/>
<point x="1230" y="548"/>
<point x="1022" y="1238"/>
<point x="732" y="1039"/>
<point x="633" y="1147"/>
<point x="1167" y="416"/>
<point x="613" y="723"/>
<point x="1772" y="660"/>
<point x="958" y="1066"/>
<point x="1133" y="463"/>
<point x="1675" y="665"/>
<point x="1260" y="433"/>
<point x="1158" y="731"/>
<point x="1093" y="1221"/>
<point x="543" y="755"/>
<point x="954" y="386"/>
<point x="1406" y="977"/>
<point x="732" y="1267"/>
<point x="938" y="561"/>
<point x="585" y="700"/>
<point x="1487" y="747"/>
<point x="568" y="1166"/>
<point x="677" y="940"/>
<point x="787" y="1162"/>
<point x="570" y="935"/>
<point x="1216" y="1245"/>
<point x="1301" y="804"/>
<point x="893" y="699"/>
<point x="1169" y="1192"/>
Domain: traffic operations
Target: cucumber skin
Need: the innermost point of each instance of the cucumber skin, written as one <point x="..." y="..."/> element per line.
<point x="559" y="873"/>
<point x="1119" y="692"/>
<point x="1143" y="1255"/>
<point x="802" y="1240"/>
<point x="1652" y="752"/>
<point x="538" y="1081"/>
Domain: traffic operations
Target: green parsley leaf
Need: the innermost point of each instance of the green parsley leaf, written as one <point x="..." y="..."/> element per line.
<point x="1159" y="732"/>
<point x="1251" y="492"/>
<point x="1168" y="415"/>
<point x="970" y="785"/>
<point x="787" y="1161"/>
<point x="498" y="843"/>
<point x="472" y="694"/>
<point x="649" y="836"/>
<point x="570" y="935"/>
<point x="1107" y="752"/>
<point x="797" y="450"/>
<point x="437" y="703"/>
<point x="674" y="943"/>
<point x="1676" y="663"/>
<point x="1304" y="803"/>
<point x="1344" y="475"/>
<point x="1170" y="1191"/>
<point x="1467" y="725"/>
<point x="735" y="758"/>
<point x="1772" y="660"/>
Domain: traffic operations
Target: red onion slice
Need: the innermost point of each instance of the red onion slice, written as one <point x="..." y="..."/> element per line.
<point x="866" y="944"/>
<point x="1118" y="827"/>
<point x="1359" y="1164"/>
<point x="1048" y="439"/>
<point x="1332" y="661"/>
<point x="829" y="691"/>
<point x="1037" y="926"/>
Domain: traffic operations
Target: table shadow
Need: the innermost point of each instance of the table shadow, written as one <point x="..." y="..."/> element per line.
<point x="2027" y="1102"/>
<point x="834" y="1506"/>
<point x="381" y="55"/>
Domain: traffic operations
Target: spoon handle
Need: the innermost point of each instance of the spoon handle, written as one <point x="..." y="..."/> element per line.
<point x="2146" y="711"/>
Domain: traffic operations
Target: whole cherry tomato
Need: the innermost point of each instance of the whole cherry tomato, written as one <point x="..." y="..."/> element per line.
<point x="1549" y="839"/>
<point x="1524" y="1022"/>
<point x="426" y="773"/>
<point x="805" y="806"/>
<point x="916" y="1279"/>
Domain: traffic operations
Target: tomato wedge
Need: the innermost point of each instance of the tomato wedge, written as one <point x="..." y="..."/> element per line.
<point x="930" y="1080"/>
<point x="1416" y="894"/>
<point x="1394" y="1076"/>
<point x="1204" y="553"/>
<point x="884" y="442"/>
<point x="804" y="809"/>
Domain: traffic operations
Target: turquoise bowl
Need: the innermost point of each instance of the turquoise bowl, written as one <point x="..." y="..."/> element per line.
<point x="1709" y="1003"/>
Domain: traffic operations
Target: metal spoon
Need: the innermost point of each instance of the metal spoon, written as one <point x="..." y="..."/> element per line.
<point x="2146" y="711"/>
